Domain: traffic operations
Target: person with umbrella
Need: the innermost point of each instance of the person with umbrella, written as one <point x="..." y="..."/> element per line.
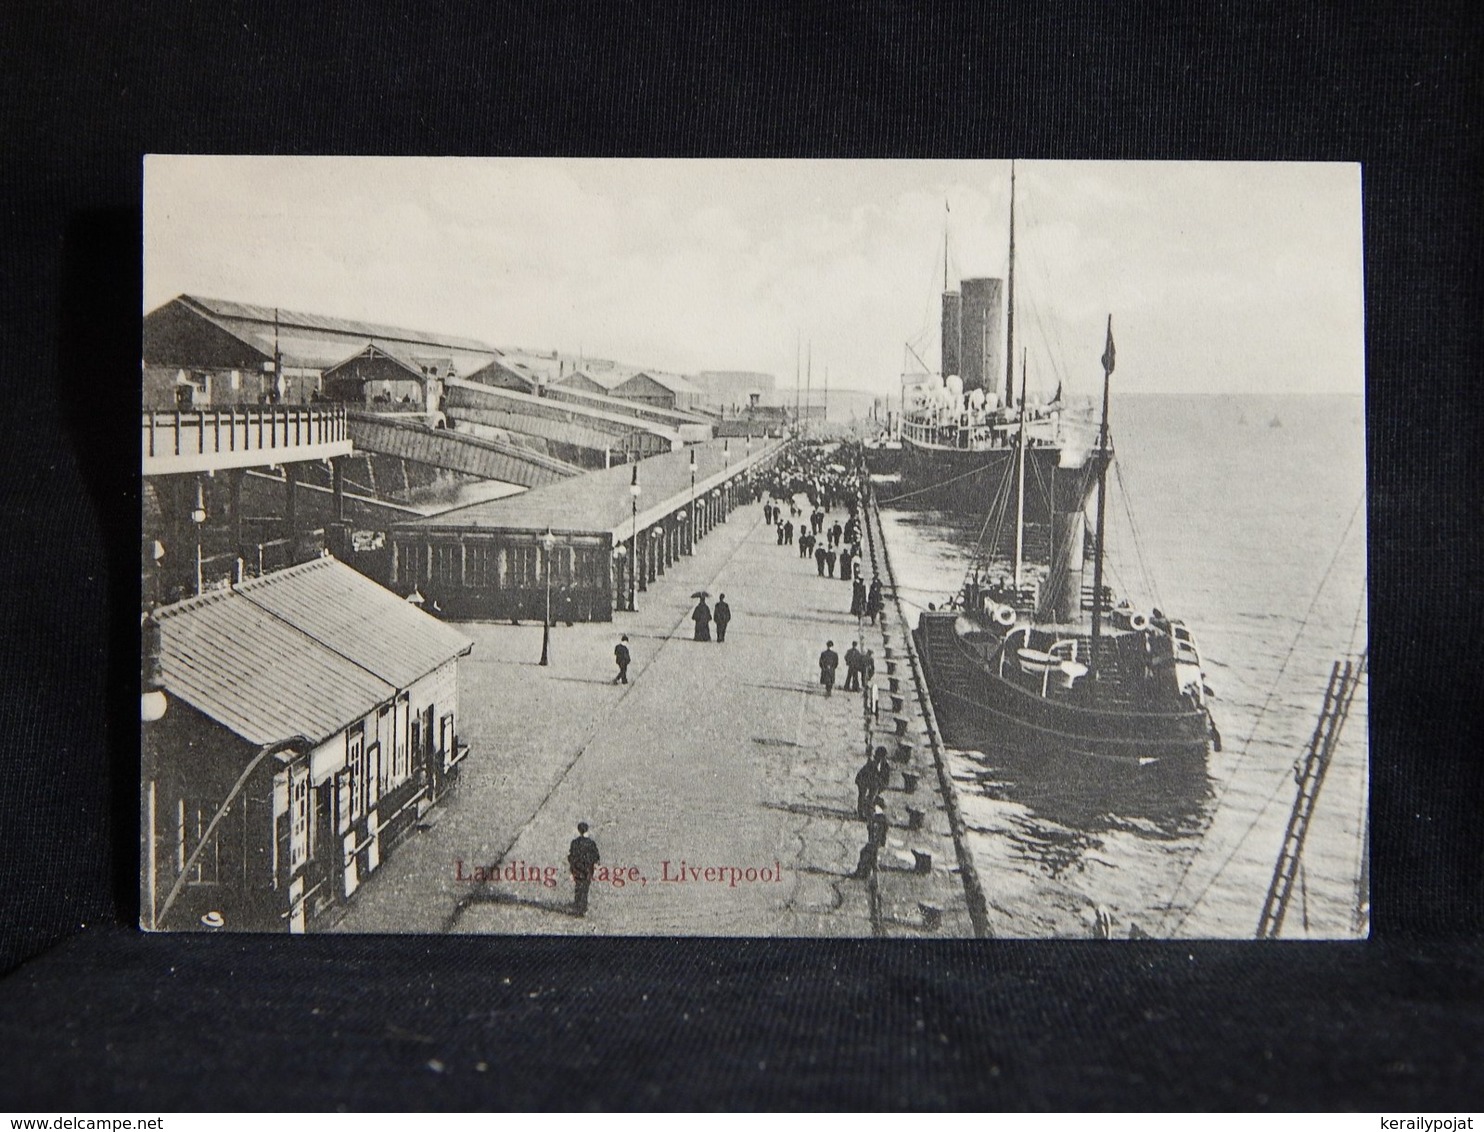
<point x="701" y="615"/>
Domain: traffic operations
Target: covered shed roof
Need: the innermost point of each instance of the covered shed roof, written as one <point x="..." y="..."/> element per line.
<point x="304" y="340"/>
<point x="347" y="611"/>
<point x="599" y="502"/>
<point x="303" y="651"/>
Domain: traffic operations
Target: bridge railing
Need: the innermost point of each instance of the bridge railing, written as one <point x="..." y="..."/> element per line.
<point x="243" y="428"/>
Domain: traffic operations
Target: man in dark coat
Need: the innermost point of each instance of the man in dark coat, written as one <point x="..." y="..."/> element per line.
<point x="853" y="667"/>
<point x="876" y="827"/>
<point x="788" y="532"/>
<point x="829" y="661"/>
<point x="722" y="615"/>
<point x="621" y="658"/>
<point x="819" y="560"/>
<point x="829" y="563"/>
<point x="845" y="564"/>
<point x="582" y="858"/>
<point x="872" y="778"/>
<point x="858" y="598"/>
<point x="702" y="617"/>
<point x="874" y="603"/>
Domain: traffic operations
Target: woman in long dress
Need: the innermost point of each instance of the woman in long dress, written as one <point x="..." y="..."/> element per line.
<point x="702" y="618"/>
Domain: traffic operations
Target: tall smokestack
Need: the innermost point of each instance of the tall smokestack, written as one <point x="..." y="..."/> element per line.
<point x="953" y="309"/>
<point x="981" y="321"/>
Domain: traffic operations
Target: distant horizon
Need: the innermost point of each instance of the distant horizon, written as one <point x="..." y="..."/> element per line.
<point x="1243" y="273"/>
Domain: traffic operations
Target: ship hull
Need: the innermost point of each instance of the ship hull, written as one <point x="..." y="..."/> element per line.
<point x="968" y="481"/>
<point x="976" y="708"/>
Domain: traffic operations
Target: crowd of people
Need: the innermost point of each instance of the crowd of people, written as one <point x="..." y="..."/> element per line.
<point x="828" y="534"/>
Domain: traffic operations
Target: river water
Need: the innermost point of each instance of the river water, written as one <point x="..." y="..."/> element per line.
<point x="1241" y="515"/>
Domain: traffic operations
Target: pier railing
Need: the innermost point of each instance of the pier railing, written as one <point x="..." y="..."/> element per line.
<point x="185" y="440"/>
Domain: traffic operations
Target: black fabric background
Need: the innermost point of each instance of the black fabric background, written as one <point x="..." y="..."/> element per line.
<point x="94" y="1015"/>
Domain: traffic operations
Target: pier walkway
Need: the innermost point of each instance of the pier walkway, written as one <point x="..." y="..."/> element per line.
<point x="717" y="755"/>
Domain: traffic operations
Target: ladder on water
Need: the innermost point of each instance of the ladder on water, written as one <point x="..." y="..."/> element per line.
<point x="1344" y="678"/>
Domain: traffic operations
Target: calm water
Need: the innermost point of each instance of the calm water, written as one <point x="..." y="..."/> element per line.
<point x="1241" y="505"/>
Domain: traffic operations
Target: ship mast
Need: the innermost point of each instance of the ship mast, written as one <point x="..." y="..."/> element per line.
<point x="1097" y="562"/>
<point x="1010" y="300"/>
<point x="1020" y="479"/>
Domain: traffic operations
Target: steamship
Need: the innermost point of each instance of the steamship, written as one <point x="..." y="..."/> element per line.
<point x="1027" y="656"/>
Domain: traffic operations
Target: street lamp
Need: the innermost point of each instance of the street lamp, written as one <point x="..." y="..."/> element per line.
<point x="634" y="492"/>
<point x="198" y="517"/>
<point x="548" y="544"/>
<point x="691" y="543"/>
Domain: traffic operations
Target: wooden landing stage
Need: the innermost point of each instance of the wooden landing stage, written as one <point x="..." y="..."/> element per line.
<point x="716" y="756"/>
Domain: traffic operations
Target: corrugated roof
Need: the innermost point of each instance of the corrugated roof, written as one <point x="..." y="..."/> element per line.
<point x="257" y="675"/>
<point x="286" y="319"/>
<point x="671" y="381"/>
<point x="303" y="651"/>
<point x="599" y="501"/>
<point x="358" y="619"/>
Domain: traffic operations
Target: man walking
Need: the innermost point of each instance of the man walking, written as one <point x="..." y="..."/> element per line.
<point x="829" y="661"/>
<point x="870" y="781"/>
<point x="874" y="602"/>
<point x="582" y="857"/>
<point x="819" y="560"/>
<point x="722" y="615"/>
<point x="621" y="658"/>
<point x="853" y="669"/>
<point x="876" y="827"/>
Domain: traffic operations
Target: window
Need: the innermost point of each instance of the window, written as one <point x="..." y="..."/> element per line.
<point x="522" y="567"/>
<point x="298" y="818"/>
<point x="481" y="565"/>
<point x="447" y="564"/>
<point x="410" y="558"/>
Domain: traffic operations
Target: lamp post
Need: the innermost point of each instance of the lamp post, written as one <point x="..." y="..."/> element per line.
<point x="634" y="492"/>
<point x="548" y="544"/>
<point x="198" y="517"/>
<point x="691" y="542"/>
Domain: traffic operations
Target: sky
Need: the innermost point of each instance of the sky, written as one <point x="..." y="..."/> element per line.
<point x="1220" y="277"/>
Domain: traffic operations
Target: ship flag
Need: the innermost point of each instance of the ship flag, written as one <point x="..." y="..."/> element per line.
<point x="1108" y="350"/>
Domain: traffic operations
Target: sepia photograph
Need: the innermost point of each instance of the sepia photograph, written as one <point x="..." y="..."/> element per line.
<point x="800" y="548"/>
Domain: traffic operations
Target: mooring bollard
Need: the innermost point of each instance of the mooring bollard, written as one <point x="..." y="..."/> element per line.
<point x="903" y="753"/>
<point x="894" y="683"/>
<point x="914" y="818"/>
<point x="901" y="725"/>
<point x="932" y="916"/>
<point x="924" y="861"/>
<point x="898" y="702"/>
<point x="909" y="784"/>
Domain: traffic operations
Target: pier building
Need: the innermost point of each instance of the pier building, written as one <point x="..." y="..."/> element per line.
<point x="304" y="721"/>
<point x="589" y="545"/>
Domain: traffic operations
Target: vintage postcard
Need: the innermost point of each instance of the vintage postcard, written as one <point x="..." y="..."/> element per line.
<point x="753" y="548"/>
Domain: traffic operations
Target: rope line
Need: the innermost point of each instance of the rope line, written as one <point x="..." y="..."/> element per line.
<point x="1256" y="723"/>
